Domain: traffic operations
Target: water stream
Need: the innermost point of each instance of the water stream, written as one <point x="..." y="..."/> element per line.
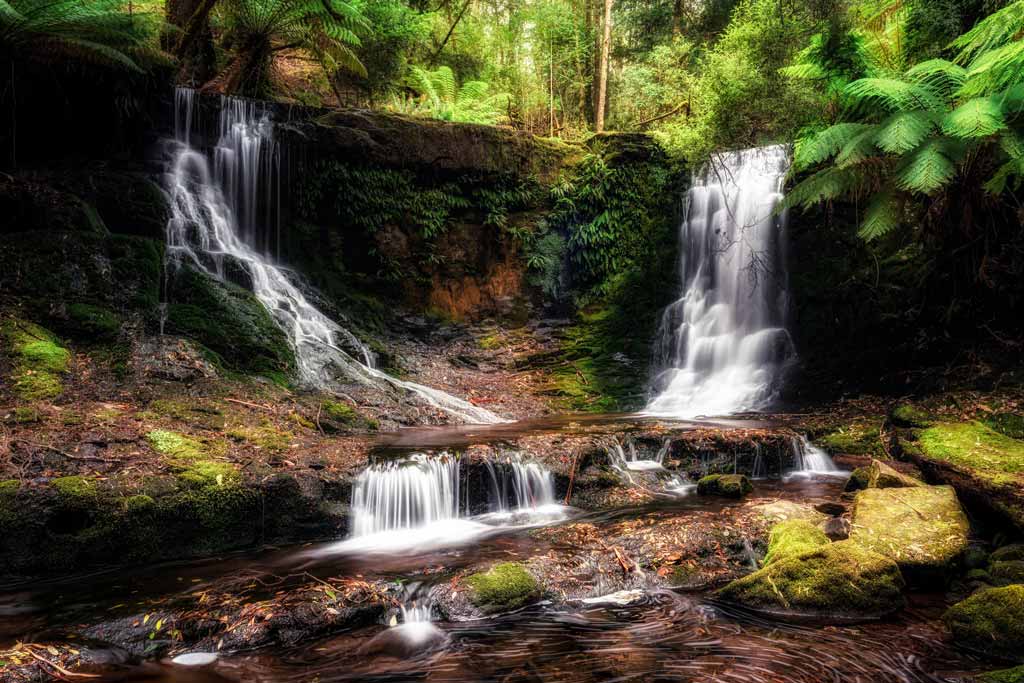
<point x="221" y="208"/>
<point x="723" y="345"/>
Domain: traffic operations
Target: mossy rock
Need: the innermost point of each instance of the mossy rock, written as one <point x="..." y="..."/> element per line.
<point x="1014" y="675"/>
<point x="503" y="587"/>
<point x="1013" y="552"/>
<point x="338" y="416"/>
<point x="881" y="476"/>
<point x="922" y="528"/>
<point x="978" y="575"/>
<point x="92" y="323"/>
<point x="837" y="581"/>
<point x="860" y="437"/>
<point x="1007" y="424"/>
<point x="1007" y="571"/>
<point x="990" y="622"/>
<point x="995" y="457"/>
<point x="725" y="485"/>
<point x="859" y="479"/>
<point x="228" y="320"/>
<point x="175" y="445"/>
<point x="265" y="437"/>
<point x="191" y="412"/>
<point x="791" y="538"/>
<point x="38" y="357"/>
<point x="908" y="415"/>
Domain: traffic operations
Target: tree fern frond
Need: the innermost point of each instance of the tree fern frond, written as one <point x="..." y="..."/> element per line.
<point x="977" y="118"/>
<point x="825" y="185"/>
<point x="806" y="71"/>
<point x="995" y="70"/>
<point x="993" y="31"/>
<point x="892" y="94"/>
<point x="926" y="170"/>
<point x="444" y="83"/>
<point x="904" y="131"/>
<point x="1007" y="175"/>
<point x="814" y="149"/>
<point x="858" y="150"/>
<point x="944" y="76"/>
<point x="884" y="214"/>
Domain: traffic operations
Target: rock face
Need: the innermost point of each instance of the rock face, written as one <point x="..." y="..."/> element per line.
<point x="881" y="476"/>
<point x="792" y="538"/>
<point x="990" y="622"/>
<point x="922" y="528"/>
<point x="725" y="485"/>
<point x="837" y="581"/>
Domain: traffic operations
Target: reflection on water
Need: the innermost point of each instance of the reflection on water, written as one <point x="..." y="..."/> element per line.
<point x="668" y="637"/>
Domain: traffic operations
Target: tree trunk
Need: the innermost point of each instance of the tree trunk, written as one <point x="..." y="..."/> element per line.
<point x="193" y="44"/>
<point x="602" y="70"/>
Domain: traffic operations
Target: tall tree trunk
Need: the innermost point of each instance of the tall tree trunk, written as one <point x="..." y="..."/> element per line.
<point x="193" y="43"/>
<point x="602" y="69"/>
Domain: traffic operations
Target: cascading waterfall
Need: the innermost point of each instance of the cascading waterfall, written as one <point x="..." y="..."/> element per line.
<point x="520" y="485"/>
<point x="405" y="494"/>
<point x="811" y="459"/>
<point x="723" y="346"/>
<point x="222" y="217"/>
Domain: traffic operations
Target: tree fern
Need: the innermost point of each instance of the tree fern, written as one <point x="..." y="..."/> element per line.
<point x="439" y="96"/>
<point x="812" y="150"/>
<point x="858" y="150"/>
<point x="825" y="185"/>
<point x="884" y="214"/>
<point x="977" y="118"/>
<point x="892" y="94"/>
<point x="904" y="131"/>
<point x="927" y="169"/>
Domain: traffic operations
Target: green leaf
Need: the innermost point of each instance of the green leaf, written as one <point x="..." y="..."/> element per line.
<point x="927" y="170"/>
<point x="977" y="118"/>
<point x="884" y="214"/>
<point x="812" y="150"/>
<point x="904" y="131"/>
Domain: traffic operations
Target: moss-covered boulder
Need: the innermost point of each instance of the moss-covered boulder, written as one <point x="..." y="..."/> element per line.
<point x="1007" y="553"/>
<point x="1008" y="571"/>
<point x="990" y="622"/>
<point x="859" y="479"/>
<point x="882" y="476"/>
<point x="91" y="323"/>
<point x="39" y="360"/>
<point x="905" y="414"/>
<point x="791" y="538"/>
<point x="229" y="321"/>
<point x="503" y="587"/>
<point x="922" y="528"/>
<point x="725" y="485"/>
<point x="840" y="581"/>
<point x="1007" y="424"/>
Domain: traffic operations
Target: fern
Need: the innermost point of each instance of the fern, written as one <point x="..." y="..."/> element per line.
<point x="858" y="150"/>
<point x="892" y="94"/>
<point x="995" y="30"/>
<point x="904" y="131"/>
<point x="812" y="150"/>
<point x="825" y="185"/>
<point x="977" y="118"/>
<point x="926" y="170"/>
<point x="939" y="74"/>
<point x="440" y="97"/>
<point x="884" y="214"/>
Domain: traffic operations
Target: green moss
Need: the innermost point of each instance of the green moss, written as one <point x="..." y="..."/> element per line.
<point x="266" y="437"/>
<point x="1007" y="571"/>
<point x="973" y="445"/>
<point x="92" y="323"/>
<point x="139" y="503"/>
<point x="175" y="445"/>
<point x="860" y="437"/>
<point x="39" y="359"/>
<point x="990" y="622"/>
<point x="1007" y="424"/>
<point x="1014" y="675"/>
<point x="923" y="528"/>
<point x="1013" y="552"/>
<point x="978" y="575"/>
<point x="491" y="341"/>
<point x="503" y="587"/>
<point x="791" y="538"/>
<point x="842" y="580"/>
<point x="9" y="486"/>
<point x="342" y="412"/>
<point x="25" y="415"/>
<point x="859" y="479"/>
<point x="195" y="413"/>
<point x="208" y="473"/>
<point x="727" y="485"/>
<point x="75" y="488"/>
<point x="909" y="415"/>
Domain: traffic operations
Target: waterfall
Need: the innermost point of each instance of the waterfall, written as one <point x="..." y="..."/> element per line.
<point x="405" y="494"/>
<point x="520" y="486"/>
<point x="224" y="217"/>
<point x="723" y="346"/>
<point x="811" y="459"/>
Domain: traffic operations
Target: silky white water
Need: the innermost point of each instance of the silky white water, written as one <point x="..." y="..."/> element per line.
<point x="723" y="345"/>
<point x="811" y="459"/>
<point x="405" y="494"/>
<point x="221" y="218"/>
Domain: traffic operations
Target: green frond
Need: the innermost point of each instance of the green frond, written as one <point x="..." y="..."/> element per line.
<point x="927" y="170"/>
<point x="977" y="118"/>
<point x="993" y="31"/>
<point x="884" y="214"/>
<point x="904" y="131"/>
<point x="892" y="94"/>
<point x="858" y="150"/>
<point x="995" y="70"/>
<point x="942" y="75"/>
<point x="443" y="80"/>
<point x="1008" y="175"/>
<point x="812" y="150"/>
<point x="806" y="72"/>
<point x="472" y="91"/>
<point x="825" y="185"/>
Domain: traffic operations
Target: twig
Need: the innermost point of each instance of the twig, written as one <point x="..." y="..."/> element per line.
<point x="319" y="408"/>
<point x="250" y="405"/>
<point x="61" y="670"/>
<point x="572" y="477"/>
<point x="58" y="451"/>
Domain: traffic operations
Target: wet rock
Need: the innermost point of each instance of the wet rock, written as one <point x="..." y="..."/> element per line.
<point x="839" y="581"/>
<point x="788" y="539"/>
<point x="171" y="358"/>
<point x="725" y="485"/>
<point x="503" y="587"/>
<point x="1008" y="553"/>
<point x="781" y="510"/>
<point x="836" y="528"/>
<point x="1008" y="571"/>
<point x="832" y="509"/>
<point x="990" y="622"/>
<point x="858" y="480"/>
<point x="881" y="476"/>
<point x="976" y="557"/>
<point x="922" y="528"/>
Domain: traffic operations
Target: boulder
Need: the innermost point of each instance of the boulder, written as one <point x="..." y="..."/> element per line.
<point x="781" y="510"/>
<point x="858" y="480"/>
<point x="726" y="485"/>
<point x="906" y="414"/>
<point x="791" y="538"/>
<point x="922" y="528"/>
<point x="838" y="581"/>
<point x="503" y="587"/>
<point x="1007" y="571"/>
<point x="881" y="476"/>
<point x="836" y="528"/>
<point x="990" y="622"/>
<point x="1008" y="553"/>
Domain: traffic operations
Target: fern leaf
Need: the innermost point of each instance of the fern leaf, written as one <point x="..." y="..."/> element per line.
<point x="814" y="149"/>
<point x="904" y="131"/>
<point x="825" y="185"/>
<point x="993" y="31"/>
<point x="943" y="75"/>
<point x="858" y="150"/>
<point x="892" y="94"/>
<point x="927" y="170"/>
<point x="995" y="70"/>
<point x="884" y="214"/>
<point x="977" y="118"/>
<point x="1009" y="174"/>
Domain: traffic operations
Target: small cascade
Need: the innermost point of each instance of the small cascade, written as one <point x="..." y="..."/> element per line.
<point x="723" y="346"/>
<point x="626" y="457"/>
<point x="405" y="494"/>
<point x="224" y="222"/>
<point x="759" y="471"/>
<point x="811" y="459"/>
<point x="520" y="485"/>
